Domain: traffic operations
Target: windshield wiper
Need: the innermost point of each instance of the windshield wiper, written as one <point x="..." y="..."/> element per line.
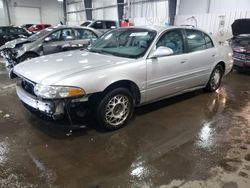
<point x="99" y="51"/>
<point x="94" y="50"/>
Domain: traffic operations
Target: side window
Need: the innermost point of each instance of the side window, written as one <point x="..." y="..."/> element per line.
<point x="209" y="41"/>
<point x="1" y="31"/>
<point x="20" y="30"/>
<point x="98" y="25"/>
<point x="12" y="30"/>
<point x="67" y="34"/>
<point x="172" y="39"/>
<point x="84" y="34"/>
<point x="55" y="36"/>
<point x="195" y="40"/>
<point x="110" y="25"/>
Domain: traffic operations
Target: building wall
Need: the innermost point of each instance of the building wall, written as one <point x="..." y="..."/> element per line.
<point x="108" y="13"/>
<point x="216" y="6"/>
<point x="75" y="12"/>
<point x="143" y="12"/>
<point x="50" y="11"/>
<point x="150" y="13"/>
<point x="215" y="17"/>
<point x="3" y="14"/>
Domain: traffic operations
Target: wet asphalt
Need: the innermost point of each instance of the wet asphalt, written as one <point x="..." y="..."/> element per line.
<point x="193" y="140"/>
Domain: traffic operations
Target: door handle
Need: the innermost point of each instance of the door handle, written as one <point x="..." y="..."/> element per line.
<point x="213" y="55"/>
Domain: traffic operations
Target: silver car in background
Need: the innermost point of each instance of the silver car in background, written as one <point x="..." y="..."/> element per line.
<point x="101" y="25"/>
<point x="124" y="68"/>
<point x="48" y="41"/>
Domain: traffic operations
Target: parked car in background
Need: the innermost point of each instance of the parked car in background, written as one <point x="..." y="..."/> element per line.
<point x="26" y="26"/>
<point x="241" y="44"/>
<point x="102" y="25"/>
<point x="8" y="33"/>
<point x="124" y="68"/>
<point x="48" y="41"/>
<point x="38" y="27"/>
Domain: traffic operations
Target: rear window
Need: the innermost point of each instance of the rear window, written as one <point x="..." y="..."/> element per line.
<point x="98" y="25"/>
<point x="110" y="24"/>
<point x="85" y="24"/>
<point x="39" y="27"/>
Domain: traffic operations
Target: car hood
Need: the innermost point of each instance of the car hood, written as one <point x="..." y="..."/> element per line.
<point x="53" y="68"/>
<point x="241" y="26"/>
<point x="13" y="43"/>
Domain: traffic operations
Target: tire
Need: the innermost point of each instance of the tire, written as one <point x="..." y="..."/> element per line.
<point x="115" y="109"/>
<point x="215" y="79"/>
<point x="28" y="56"/>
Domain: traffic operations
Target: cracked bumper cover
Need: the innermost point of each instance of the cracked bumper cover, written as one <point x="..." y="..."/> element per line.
<point x="53" y="108"/>
<point x="45" y="106"/>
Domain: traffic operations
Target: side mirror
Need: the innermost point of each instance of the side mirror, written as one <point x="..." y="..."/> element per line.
<point x="47" y="39"/>
<point x="162" y="51"/>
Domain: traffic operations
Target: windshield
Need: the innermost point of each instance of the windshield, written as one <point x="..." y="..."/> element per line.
<point x="85" y="24"/>
<point x="129" y="42"/>
<point x="40" y="34"/>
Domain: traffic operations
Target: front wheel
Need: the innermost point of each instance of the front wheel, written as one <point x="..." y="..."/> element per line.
<point x="115" y="109"/>
<point x="215" y="79"/>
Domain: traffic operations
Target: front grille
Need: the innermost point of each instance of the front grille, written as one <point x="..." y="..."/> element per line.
<point x="241" y="56"/>
<point x="28" y="86"/>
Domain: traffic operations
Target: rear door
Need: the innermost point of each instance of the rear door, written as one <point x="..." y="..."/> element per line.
<point x="60" y="41"/>
<point x="201" y="56"/>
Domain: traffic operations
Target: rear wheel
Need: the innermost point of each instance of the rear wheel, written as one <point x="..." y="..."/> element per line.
<point x="28" y="56"/>
<point x="215" y="79"/>
<point x="115" y="109"/>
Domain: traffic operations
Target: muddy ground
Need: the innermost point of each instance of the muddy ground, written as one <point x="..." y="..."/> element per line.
<point x="193" y="140"/>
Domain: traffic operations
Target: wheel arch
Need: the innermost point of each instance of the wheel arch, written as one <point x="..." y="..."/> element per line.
<point x="223" y="64"/>
<point x="128" y="84"/>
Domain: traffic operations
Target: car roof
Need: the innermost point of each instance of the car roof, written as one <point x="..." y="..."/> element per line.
<point x="100" y="20"/>
<point x="9" y="26"/>
<point x="75" y="27"/>
<point x="163" y="28"/>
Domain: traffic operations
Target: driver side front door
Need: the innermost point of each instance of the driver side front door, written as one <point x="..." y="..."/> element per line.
<point x="167" y="75"/>
<point x="60" y="41"/>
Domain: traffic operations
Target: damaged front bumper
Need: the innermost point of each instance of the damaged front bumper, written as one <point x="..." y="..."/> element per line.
<point x="56" y="108"/>
<point x="9" y="58"/>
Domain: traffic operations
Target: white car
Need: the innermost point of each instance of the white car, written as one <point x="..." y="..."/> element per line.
<point x="124" y="68"/>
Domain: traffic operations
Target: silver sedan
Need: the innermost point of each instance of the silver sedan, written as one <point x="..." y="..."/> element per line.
<point x="125" y="68"/>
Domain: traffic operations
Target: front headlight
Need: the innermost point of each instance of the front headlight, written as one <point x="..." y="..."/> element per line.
<point x="53" y="92"/>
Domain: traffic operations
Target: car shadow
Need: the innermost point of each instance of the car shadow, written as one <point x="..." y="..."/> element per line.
<point x="167" y="102"/>
<point x="64" y="129"/>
